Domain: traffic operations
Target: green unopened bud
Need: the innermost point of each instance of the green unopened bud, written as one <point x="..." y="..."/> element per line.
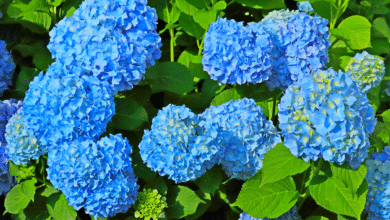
<point x="150" y="205"/>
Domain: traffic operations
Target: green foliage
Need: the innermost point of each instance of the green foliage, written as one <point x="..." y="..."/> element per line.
<point x="182" y="201"/>
<point x="159" y="184"/>
<point x="58" y="207"/>
<point x="210" y="181"/>
<point x="19" y="197"/>
<point x="129" y="115"/>
<point x="225" y="96"/>
<point x="263" y="4"/>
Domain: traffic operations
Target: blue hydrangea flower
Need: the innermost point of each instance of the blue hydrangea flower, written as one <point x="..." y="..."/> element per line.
<point x="22" y="144"/>
<point x="245" y="133"/>
<point x="378" y="179"/>
<point x="305" y="6"/>
<point x="114" y="40"/>
<point x="7" y="68"/>
<point x="234" y="54"/>
<point x="292" y="214"/>
<point x="61" y="106"/>
<point x="7" y="109"/>
<point x="326" y="116"/>
<point x="367" y="70"/>
<point x="178" y="146"/>
<point x="96" y="176"/>
<point x="301" y="46"/>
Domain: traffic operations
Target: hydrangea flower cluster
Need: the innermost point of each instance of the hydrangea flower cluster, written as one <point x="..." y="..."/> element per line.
<point x="292" y="214"/>
<point x="113" y="40"/>
<point x="325" y="115"/>
<point x="367" y="70"/>
<point x="7" y="109"/>
<point x="178" y="146"/>
<point x="96" y="176"/>
<point x="150" y="205"/>
<point x="301" y="47"/>
<point x="234" y="54"/>
<point x="378" y="179"/>
<point x="305" y="6"/>
<point x="61" y="106"/>
<point x="7" y="68"/>
<point x="245" y="133"/>
<point x="22" y="144"/>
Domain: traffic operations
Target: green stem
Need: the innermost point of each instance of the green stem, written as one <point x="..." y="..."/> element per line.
<point x="273" y="109"/>
<point x="200" y="47"/>
<point x="306" y="194"/>
<point x="172" y="45"/>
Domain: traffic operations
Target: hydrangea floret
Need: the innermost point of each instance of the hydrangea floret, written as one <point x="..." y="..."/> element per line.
<point x="325" y="115"/>
<point x="22" y="144"/>
<point x="305" y="6"/>
<point x="150" y="205"/>
<point x="301" y="48"/>
<point x="367" y="70"/>
<point x="96" y="176"/>
<point x="178" y="146"/>
<point x="245" y="133"/>
<point x="114" y="40"/>
<point x="7" y="68"/>
<point x="378" y="179"/>
<point x="61" y="106"/>
<point x="234" y="54"/>
<point x="292" y="214"/>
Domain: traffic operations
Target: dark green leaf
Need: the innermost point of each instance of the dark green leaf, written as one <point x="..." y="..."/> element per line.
<point x="380" y="28"/>
<point x="263" y="4"/>
<point x="279" y="163"/>
<point x="16" y="200"/>
<point x="140" y="168"/>
<point x="129" y="115"/>
<point x="42" y="59"/>
<point x="317" y="218"/>
<point x="159" y="184"/>
<point x="69" y="7"/>
<point x="59" y="209"/>
<point x="197" y="71"/>
<point x="35" y="210"/>
<point x="209" y="182"/>
<point x="200" y="3"/>
<point x="373" y="96"/>
<point x="210" y="88"/>
<point x="54" y="3"/>
<point x="379" y="46"/>
<point x="26" y="75"/>
<point x="190" y="26"/>
<point x="186" y="57"/>
<point x="181" y="201"/>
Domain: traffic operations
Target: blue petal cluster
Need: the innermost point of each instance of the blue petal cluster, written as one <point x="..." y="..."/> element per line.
<point x="178" y="146"/>
<point x="7" y="68"/>
<point x="292" y="214"/>
<point x="301" y="46"/>
<point x="61" y="106"/>
<point x="378" y="179"/>
<point x="325" y="115"/>
<point x="367" y="70"/>
<point x="22" y="144"/>
<point x="113" y="40"/>
<point x="245" y="134"/>
<point x="7" y="109"/>
<point x="234" y="54"/>
<point x="305" y="6"/>
<point x="96" y="176"/>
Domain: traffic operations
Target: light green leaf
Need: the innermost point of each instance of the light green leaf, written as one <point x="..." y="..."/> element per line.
<point x="380" y="28"/>
<point x="351" y="178"/>
<point x="355" y="31"/>
<point x="186" y="57"/>
<point x="344" y="61"/>
<point x="269" y="200"/>
<point x="59" y="208"/>
<point x="225" y="96"/>
<point x="49" y="190"/>
<point x="16" y="200"/>
<point x="54" y="3"/>
<point x="182" y="202"/>
<point x="219" y="6"/>
<point x="186" y="7"/>
<point x="205" y="18"/>
<point x="28" y="188"/>
<point x="279" y="163"/>
<point x="263" y="4"/>
<point x="190" y="26"/>
<point x="35" y="210"/>
<point x="202" y="208"/>
<point x="129" y="115"/>
<point x="200" y="3"/>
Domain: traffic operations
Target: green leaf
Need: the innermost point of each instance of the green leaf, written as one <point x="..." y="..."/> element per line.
<point x="225" y="96"/>
<point x="338" y="199"/>
<point x="59" y="208"/>
<point x="351" y="178"/>
<point x="140" y="168"/>
<point x="186" y="7"/>
<point x="269" y="200"/>
<point x="54" y="3"/>
<point x="159" y="184"/>
<point x="386" y="115"/>
<point x="35" y="210"/>
<point x="37" y="21"/>
<point x="48" y="191"/>
<point x="186" y="57"/>
<point x="68" y="7"/>
<point x="183" y="39"/>
<point x="380" y="28"/>
<point x="355" y="31"/>
<point x="197" y="71"/>
<point x="219" y="6"/>
<point x="22" y="7"/>
<point x="210" y="88"/>
<point x="263" y="4"/>
<point x="328" y="9"/>
<point x="162" y="8"/>
<point x="140" y="94"/>
<point x="28" y="188"/>
<point x="373" y="96"/>
<point x="344" y="61"/>
<point x="379" y="46"/>
<point x="26" y="75"/>
<point x="181" y="201"/>
<point x="129" y="115"/>
<point x="205" y="18"/>
<point x="209" y="182"/>
<point x="200" y="3"/>
<point x="169" y="76"/>
<point x="202" y="208"/>
<point x="13" y="169"/>
<point x="317" y="218"/>
<point x="279" y="163"/>
<point x="16" y="200"/>
<point x="42" y="59"/>
<point x="190" y="26"/>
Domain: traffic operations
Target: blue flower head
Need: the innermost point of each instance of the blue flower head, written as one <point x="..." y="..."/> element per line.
<point x="326" y="116"/>
<point x="292" y="214"/>
<point x="22" y="144"/>
<point x="96" y="176"/>
<point x="301" y="46"/>
<point x="7" y="109"/>
<point x="234" y="54"/>
<point x="114" y="40"/>
<point x="61" y="106"/>
<point x="178" y="146"/>
<point x="7" y="68"/>
<point x="245" y="133"/>
<point x="366" y="70"/>
<point x="305" y="6"/>
<point x="378" y="179"/>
